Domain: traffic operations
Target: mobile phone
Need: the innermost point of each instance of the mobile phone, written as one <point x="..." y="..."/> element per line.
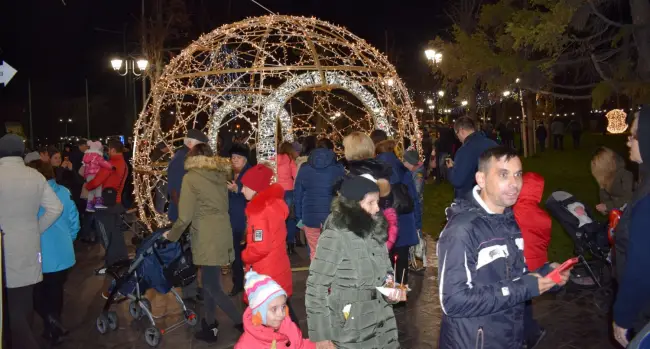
<point x="555" y="274"/>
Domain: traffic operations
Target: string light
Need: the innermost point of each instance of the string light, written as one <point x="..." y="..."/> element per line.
<point x="616" y="121"/>
<point x="262" y="71"/>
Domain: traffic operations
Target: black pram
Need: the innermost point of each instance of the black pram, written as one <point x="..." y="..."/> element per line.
<point x="588" y="234"/>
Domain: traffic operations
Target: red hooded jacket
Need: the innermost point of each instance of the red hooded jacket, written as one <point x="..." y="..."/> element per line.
<point x="109" y="178"/>
<point x="266" y="237"/>
<point x="535" y="223"/>
<point x="288" y="336"/>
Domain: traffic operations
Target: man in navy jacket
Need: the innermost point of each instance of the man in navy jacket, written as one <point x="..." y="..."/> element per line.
<point x="482" y="278"/>
<point x="464" y="166"/>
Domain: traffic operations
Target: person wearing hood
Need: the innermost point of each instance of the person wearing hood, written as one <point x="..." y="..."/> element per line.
<point x="266" y="322"/>
<point x="175" y="174"/>
<point x="313" y="191"/>
<point x="23" y="192"/>
<point x="351" y="262"/>
<point x="239" y="155"/>
<point x="203" y="207"/>
<point x="465" y="163"/>
<point x="409" y="221"/>
<point x="632" y="241"/>
<point x="483" y="280"/>
<point x="266" y="232"/>
<point x="535" y="226"/>
<point x="287" y="171"/>
<point x="615" y="182"/>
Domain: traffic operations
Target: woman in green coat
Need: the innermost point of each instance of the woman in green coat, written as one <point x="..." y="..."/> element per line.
<point x="204" y="204"/>
<point x="351" y="260"/>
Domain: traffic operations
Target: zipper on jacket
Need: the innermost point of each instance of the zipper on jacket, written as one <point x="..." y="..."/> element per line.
<point x="479" y="334"/>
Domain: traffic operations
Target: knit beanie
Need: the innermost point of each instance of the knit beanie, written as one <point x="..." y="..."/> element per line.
<point x="96" y="146"/>
<point x="257" y="177"/>
<point x="197" y="135"/>
<point x="33" y="156"/>
<point x="239" y="149"/>
<point x="261" y="290"/>
<point x="11" y="145"/>
<point x="412" y="157"/>
<point x="357" y="187"/>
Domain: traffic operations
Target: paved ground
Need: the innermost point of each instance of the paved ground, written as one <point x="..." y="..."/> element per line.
<point x="570" y="317"/>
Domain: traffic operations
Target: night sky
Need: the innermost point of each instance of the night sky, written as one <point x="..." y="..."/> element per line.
<point x="57" y="46"/>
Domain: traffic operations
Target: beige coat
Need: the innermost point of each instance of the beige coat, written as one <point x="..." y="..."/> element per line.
<point x="204" y="204"/>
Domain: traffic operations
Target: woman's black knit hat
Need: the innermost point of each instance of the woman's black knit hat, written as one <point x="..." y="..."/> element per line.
<point x="357" y="187"/>
<point x="239" y="149"/>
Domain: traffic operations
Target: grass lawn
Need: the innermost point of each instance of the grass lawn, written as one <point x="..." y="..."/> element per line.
<point x="567" y="170"/>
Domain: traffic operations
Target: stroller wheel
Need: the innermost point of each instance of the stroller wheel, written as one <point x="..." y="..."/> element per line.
<point x="112" y="320"/>
<point x="190" y="318"/>
<point x="135" y="310"/>
<point x="102" y="323"/>
<point x="152" y="336"/>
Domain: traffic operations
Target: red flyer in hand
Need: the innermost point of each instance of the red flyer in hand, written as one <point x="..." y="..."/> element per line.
<point x="555" y="274"/>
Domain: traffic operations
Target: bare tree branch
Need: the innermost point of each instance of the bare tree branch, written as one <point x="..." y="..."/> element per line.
<point x="558" y="95"/>
<point x="598" y="68"/>
<point x="603" y="17"/>
<point x="574" y="87"/>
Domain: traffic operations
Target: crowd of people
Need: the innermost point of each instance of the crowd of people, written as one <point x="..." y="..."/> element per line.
<point x="361" y="216"/>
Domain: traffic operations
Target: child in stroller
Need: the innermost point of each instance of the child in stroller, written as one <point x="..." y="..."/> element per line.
<point x="588" y="234"/>
<point x="158" y="264"/>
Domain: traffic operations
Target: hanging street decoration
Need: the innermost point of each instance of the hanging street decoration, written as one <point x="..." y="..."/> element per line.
<point x="275" y="78"/>
<point x="616" y="121"/>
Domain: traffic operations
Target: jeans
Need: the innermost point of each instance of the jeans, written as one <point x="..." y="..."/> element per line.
<point x="291" y="220"/>
<point x="213" y="296"/>
<point x="20" y="308"/>
<point x="542" y="144"/>
<point x="237" y="264"/>
<point x="88" y="226"/>
<point x="576" y="139"/>
<point x="48" y="300"/>
<point x="109" y="226"/>
<point x="442" y="167"/>
<point x="531" y="327"/>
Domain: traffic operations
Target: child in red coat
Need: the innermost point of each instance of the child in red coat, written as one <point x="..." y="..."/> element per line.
<point x="266" y="324"/>
<point x="266" y="231"/>
<point x="535" y="225"/>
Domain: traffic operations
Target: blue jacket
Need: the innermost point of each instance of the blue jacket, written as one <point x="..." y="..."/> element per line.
<point x="175" y="173"/>
<point x="56" y="241"/>
<point x="408" y="224"/>
<point x="237" y="206"/>
<point x="462" y="174"/>
<point x="634" y="289"/>
<point x="482" y="278"/>
<point x="314" y="188"/>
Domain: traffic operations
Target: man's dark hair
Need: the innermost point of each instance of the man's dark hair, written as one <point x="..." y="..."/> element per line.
<point x="497" y="153"/>
<point x="201" y="149"/>
<point x="325" y="143"/>
<point x="116" y="145"/>
<point x="464" y="123"/>
<point x="378" y="136"/>
<point x="43" y="149"/>
<point x="51" y="151"/>
<point x="81" y="141"/>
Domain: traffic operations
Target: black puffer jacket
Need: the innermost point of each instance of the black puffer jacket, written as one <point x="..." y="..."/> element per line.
<point x="482" y="278"/>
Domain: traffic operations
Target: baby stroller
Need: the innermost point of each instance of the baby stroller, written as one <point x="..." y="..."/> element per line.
<point x="158" y="264"/>
<point x="588" y="234"/>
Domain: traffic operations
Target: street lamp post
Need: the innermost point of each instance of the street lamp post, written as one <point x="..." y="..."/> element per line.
<point x="432" y="55"/>
<point x="132" y="68"/>
<point x="65" y="122"/>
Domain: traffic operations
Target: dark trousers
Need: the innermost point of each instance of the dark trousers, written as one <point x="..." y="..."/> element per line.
<point x="292" y="313"/>
<point x="213" y="296"/>
<point x="109" y="227"/>
<point x="576" y="140"/>
<point x="20" y="308"/>
<point x="558" y="142"/>
<point x="291" y="221"/>
<point x="542" y="144"/>
<point x="402" y="254"/>
<point x="88" y="231"/>
<point x="48" y="295"/>
<point x="531" y="327"/>
<point x="237" y="264"/>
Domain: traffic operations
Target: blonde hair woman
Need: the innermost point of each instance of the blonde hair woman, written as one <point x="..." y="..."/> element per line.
<point x="615" y="182"/>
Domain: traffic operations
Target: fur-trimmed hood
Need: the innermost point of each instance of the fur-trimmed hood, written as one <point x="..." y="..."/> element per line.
<point x="387" y="146"/>
<point x="207" y="163"/>
<point x="349" y="216"/>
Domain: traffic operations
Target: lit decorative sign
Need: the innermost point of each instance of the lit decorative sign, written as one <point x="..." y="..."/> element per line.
<point x="616" y="121"/>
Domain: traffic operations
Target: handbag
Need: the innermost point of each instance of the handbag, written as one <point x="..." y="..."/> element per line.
<point x="181" y="271"/>
<point x="109" y="194"/>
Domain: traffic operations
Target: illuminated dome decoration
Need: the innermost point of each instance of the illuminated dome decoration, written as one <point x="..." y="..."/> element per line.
<point x="616" y="121"/>
<point x="264" y="80"/>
